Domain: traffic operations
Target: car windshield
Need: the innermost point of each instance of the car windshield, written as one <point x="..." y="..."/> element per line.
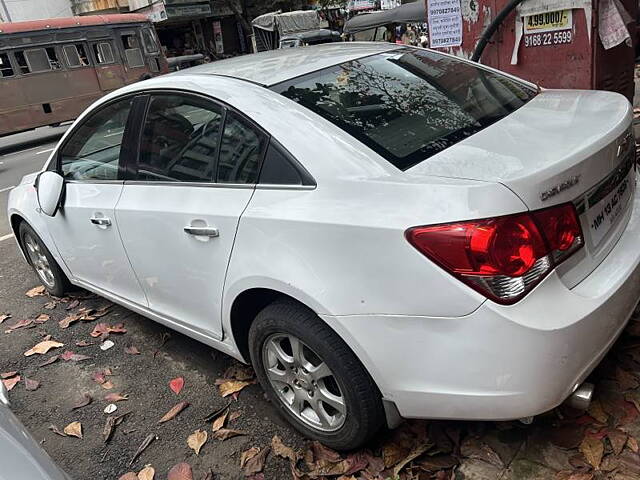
<point x="408" y="104"/>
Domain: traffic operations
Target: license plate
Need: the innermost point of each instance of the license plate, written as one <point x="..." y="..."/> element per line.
<point x="548" y="22"/>
<point x="603" y="215"/>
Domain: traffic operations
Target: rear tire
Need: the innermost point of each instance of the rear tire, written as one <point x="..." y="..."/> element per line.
<point x="319" y="385"/>
<point x="42" y="262"/>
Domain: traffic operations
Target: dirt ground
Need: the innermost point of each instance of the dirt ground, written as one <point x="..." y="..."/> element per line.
<point x="561" y="445"/>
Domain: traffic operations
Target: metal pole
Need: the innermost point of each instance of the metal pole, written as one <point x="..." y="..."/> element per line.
<point x="6" y="10"/>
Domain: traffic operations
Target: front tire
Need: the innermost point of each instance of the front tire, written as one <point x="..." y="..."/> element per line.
<point x="42" y="262"/>
<point x="310" y="373"/>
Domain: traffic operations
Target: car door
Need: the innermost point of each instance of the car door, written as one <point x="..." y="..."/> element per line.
<point x="91" y="160"/>
<point x="196" y="172"/>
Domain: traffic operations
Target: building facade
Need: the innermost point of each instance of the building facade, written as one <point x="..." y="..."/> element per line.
<point x="23" y="10"/>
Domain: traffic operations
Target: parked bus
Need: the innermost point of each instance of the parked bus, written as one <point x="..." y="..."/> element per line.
<point x="51" y="70"/>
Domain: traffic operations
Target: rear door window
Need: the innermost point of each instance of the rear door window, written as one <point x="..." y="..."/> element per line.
<point x="408" y="104"/>
<point x="241" y="151"/>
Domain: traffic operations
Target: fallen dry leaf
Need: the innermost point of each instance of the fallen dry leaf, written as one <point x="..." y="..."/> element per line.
<point x="171" y="414"/>
<point x="196" y="440"/>
<point x="132" y="350"/>
<point x="49" y="361"/>
<point x="226" y="433"/>
<point x="11" y="382"/>
<point x="147" y="473"/>
<point x="68" y="320"/>
<point x="143" y="446"/>
<point x="176" y="385"/>
<point x="255" y="463"/>
<point x="51" y="305"/>
<point x="74" y="429"/>
<point x="234" y="415"/>
<point x="86" y="400"/>
<point x="280" y="449"/>
<point x="219" y="422"/>
<point x="229" y="387"/>
<point x="107" y="385"/>
<point x="36" y="291"/>
<point x="4" y="316"/>
<point x="240" y="372"/>
<point x="593" y="449"/>
<point x="42" y="318"/>
<point x="43" y="347"/>
<point x="181" y="471"/>
<point x="415" y="453"/>
<point x="110" y="424"/>
<point x="19" y="324"/>
<point x="116" y="397"/>
<point x="8" y="374"/>
<point x="69" y="356"/>
<point x="475" y="448"/>
<point x="30" y="384"/>
<point x="248" y="454"/>
<point x="596" y="411"/>
<point x="57" y="431"/>
<point x="618" y="440"/>
<point x="626" y="380"/>
<point x="73" y="304"/>
<point x="105" y="329"/>
<point x="84" y="343"/>
<point x="632" y="443"/>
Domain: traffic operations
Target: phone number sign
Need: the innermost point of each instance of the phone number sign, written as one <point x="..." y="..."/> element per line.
<point x="549" y="28"/>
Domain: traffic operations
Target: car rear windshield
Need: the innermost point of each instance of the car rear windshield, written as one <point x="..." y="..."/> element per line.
<point x="408" y="104"/>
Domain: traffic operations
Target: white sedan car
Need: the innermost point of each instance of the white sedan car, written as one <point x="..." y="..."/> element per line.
<point x="382" y="231"/>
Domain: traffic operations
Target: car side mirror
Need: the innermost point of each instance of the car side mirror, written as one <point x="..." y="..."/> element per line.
<point x="50" y="189"/>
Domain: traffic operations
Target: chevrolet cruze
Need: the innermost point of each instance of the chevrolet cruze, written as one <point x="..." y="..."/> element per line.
<point x="381" y="231"/>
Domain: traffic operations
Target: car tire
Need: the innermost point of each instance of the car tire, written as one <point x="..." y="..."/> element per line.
<point x="346" y="427"/>
<point x="42" y="262"/>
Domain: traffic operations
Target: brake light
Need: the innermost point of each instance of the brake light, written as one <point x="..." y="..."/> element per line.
<point x="504" y="257"/>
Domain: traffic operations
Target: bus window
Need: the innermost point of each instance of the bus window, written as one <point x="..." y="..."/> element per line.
<point x="6" y="70"/>
<point x="149" y="39"/>
<point x="38" y="60"/>
<point x="76" y="55"/>
<point x="103" y="53"/>
<point x="132" y="50"/>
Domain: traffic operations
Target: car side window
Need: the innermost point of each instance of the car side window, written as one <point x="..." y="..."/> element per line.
<point x="180" y="140"/>
<point x="92" y="152"/>
<point x="241" y="151"/>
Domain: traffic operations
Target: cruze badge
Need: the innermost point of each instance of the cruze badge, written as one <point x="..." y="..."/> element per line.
<point x="567" y="184"/>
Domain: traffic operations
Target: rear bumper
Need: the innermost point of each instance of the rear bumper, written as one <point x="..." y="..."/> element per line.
<point x="502" y="362"/>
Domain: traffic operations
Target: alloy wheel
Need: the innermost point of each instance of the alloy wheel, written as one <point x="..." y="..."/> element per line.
<point x="39" y="260"/>
<point x="304" y="383"/>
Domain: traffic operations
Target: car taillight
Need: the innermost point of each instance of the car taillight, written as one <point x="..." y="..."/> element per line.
<point x="504" y="257"/>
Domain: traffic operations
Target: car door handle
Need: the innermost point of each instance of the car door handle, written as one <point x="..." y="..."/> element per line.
<point x="103" y="222"/>
<point x="202" y="231"/>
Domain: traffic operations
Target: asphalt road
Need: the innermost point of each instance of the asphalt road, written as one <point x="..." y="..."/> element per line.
<point x="20" y="155"/>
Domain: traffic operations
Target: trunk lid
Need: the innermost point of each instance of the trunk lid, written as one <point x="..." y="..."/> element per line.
<point x="562" y="146"/>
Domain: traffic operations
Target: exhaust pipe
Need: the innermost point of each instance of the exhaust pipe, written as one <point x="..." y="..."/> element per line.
<point x="581" y="397"/>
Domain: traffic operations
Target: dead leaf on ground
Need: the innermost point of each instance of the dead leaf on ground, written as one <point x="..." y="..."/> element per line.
<point x="593" y="449"/>
<point x="596" y="411"/>
<point x="84" y="343"/>
<point x="171" y="414"/>
<point x="51" y="305"/>
<point x="196" y="440"/>
<point x="240" y="372"/>
<point x="110" y="424"/>
<point x="42" y="318"/>
<point x="436" y="463"/>
<point x="69" y="356"/>
<point x="116" y="397"/>
<point x="105" y="329"/>
<point x="36" y="291"/>
<point x="181" y="471"/>
<point x="30" y="384"/>
<point x="49" y="361"/>
<point x="219" y="422"/>
<point x="280" y="449"/>
<point x="132" y="350"/>
<point x="227" y="433"/>
<point x="618" y="440"/>
<point x="176" y="385"/>
<point x="11" y="382"/>
<point x="43" y="347"/>
<point x="147" y="473"/>
<point x="228" y="387"/>
<point x="475" y="448"/>
<point x="255" y="462"/>
<point x="107" y="385"/>
<point x="632" y="443"/>
<point x="415" y="453"/>
<point x="73" y="304"/>
<point x="57" y="431"/>
<point x="8" y="374"/>
<point x="4" y="316"/>
<point x="19" y="324"/>
<point x="74" y="429"/>
<point x="234" y="416"/>
<point x="143" y="446"/>
<point x="68" y="320"/>
<point x="100" y="376"/>
<point x="86" y="400"/>
<point x="626" y="380"/>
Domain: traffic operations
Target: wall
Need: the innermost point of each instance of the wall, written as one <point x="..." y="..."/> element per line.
<point x="21" y="10"/>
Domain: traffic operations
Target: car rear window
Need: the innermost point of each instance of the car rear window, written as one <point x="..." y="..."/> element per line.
<point x="408" y="104"/>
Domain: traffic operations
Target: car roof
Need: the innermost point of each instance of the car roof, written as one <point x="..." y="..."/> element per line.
<point x="276" y="66"/>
